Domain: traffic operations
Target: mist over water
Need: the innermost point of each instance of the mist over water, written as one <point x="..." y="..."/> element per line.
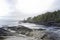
<point x="9" y="22"/>
<point x="18" y="9"/>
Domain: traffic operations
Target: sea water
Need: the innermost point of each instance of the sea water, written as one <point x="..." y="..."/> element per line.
<point x="8" y="22"/>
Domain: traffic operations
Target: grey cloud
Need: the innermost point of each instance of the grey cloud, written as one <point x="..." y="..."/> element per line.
<point x="19" y="15"/>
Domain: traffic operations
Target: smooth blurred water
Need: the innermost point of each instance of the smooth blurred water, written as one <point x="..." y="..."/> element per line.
<point x="8" y="22"/>
<point x="32" y="26"/>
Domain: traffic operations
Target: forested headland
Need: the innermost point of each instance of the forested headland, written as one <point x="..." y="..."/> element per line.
<point x="48" y="18"/>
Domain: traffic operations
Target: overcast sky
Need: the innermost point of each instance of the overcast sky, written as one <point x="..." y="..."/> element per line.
<point x="20" y="9"/>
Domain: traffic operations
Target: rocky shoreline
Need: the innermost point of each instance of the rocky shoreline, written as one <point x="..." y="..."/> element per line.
<point x="35" y="34"/>
<point x="47" y="23"/>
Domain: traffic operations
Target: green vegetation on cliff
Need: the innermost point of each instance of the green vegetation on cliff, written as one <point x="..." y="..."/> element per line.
<point x="48" y="18"/>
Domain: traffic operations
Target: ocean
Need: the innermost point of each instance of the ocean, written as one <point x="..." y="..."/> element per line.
<point x="9" y="22"/>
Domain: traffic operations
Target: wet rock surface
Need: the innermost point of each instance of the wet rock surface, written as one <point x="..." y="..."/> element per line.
<point x="23" y="33"/>
<point x="50" y="36"/>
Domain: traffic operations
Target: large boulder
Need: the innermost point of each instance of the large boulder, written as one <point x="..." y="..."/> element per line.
<point x="50" y="36"/>
<point x="4" y="32"/>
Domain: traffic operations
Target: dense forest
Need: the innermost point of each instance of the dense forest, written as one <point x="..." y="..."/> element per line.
<point x="48" y="18"/>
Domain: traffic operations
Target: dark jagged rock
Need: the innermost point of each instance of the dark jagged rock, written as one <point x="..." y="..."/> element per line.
<point x="4" y="32"/>
<point x="50" y="36"/>
<point x="23" y="30"/>
<point x="20" y="29"/>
